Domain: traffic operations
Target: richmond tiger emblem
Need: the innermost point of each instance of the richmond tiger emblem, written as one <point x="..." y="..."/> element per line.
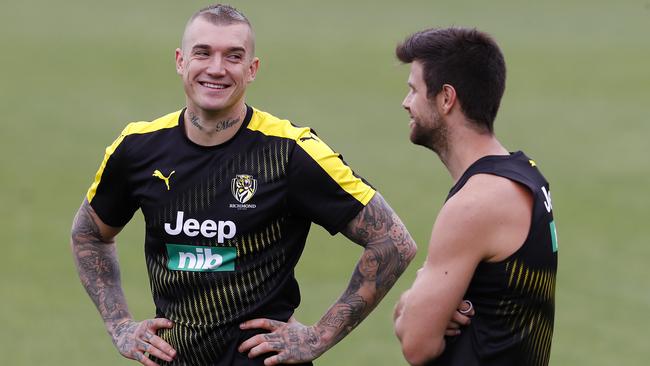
<point x="243" y="187"/>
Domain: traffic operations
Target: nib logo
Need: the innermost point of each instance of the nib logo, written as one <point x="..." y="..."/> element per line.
<point x="201" y="259"/>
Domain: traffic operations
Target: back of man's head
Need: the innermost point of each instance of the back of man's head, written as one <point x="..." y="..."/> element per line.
<point x="468" y="60"/>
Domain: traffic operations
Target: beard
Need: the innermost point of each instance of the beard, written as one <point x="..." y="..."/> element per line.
<point x="432" y="133"/>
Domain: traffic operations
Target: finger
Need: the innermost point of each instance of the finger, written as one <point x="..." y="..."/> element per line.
<point x="466" y="308"/>
<point x="268" y="324"/>
<point x="274" y="360"/>
<point x="452" y="332"/>
<point x="158" y="323"/>
<point x="265" y="347"/>
<point x="252" y="342"/>
<point x="159" y="343"/>
<point x="460" y="319"/>
<point x="140" y="357"/>
<point x="146" y="347"/>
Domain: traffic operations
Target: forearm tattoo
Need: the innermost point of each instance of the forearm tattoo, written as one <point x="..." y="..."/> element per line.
<point x="388" y="250"/>
<point x="98" y="267"/>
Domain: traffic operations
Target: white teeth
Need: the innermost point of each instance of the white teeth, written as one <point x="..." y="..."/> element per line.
<point x="213" y="86"/>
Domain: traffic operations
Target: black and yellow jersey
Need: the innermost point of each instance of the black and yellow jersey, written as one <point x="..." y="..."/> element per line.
<point x="514" y="298"/>
<point x="226" y="224"/>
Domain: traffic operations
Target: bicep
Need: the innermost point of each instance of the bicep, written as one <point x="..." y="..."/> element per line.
<point x="377" y="223"/>
<point x="452" y="257"/>
<point x="389" y="247"/>
<point x="87" y="227"/>
<point x="373" y="222"/>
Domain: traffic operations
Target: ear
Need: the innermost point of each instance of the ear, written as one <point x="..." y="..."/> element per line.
<point x="252" y="69"/>
<point x="179" y="61"/>
<point x="447" y="98"/>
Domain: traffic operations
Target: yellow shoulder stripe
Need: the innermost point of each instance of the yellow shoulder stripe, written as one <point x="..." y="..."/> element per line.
<point x="322" y="154"/>
<point x="168" y="121"/>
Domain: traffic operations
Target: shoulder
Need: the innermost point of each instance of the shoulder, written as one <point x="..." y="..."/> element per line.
<point x="142" y="127"/>
<point x="484" y="213"/>
<point x="271" y="125"/>
<point x="489" y="193"/>
<point x="313" y="147"/>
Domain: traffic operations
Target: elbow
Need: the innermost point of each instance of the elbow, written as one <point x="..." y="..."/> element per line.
<point x="410" y="251"/>
<point x="419" y="353"/>
<point x="413" y="250"/>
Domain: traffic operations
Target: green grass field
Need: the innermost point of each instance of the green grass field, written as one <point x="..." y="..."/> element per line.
<point x="74" y="73"/>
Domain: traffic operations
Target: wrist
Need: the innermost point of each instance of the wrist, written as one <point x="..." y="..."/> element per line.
<point x="327" y="336"/>
<point x="116" y="327"/>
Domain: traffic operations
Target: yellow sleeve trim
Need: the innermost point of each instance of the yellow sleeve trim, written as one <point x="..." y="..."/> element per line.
<point x="168" y="121"/>
<point x="322" y="154"/>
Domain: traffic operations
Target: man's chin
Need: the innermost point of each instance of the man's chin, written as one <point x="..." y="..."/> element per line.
<point x="415" y="137"/>
<point x="215" y="106"/>
<point x="422" y="140"/>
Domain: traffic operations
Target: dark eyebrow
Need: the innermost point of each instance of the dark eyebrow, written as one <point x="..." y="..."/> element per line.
<point x="237" y="49"/>
<point x="200" y="47"/>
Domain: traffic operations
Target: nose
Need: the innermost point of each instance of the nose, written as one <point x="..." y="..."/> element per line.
<point x="406" y="102"/>
<point x="216" y="67"/>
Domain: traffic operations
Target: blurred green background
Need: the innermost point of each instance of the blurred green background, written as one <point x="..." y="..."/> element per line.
<point x="73" y="73"/>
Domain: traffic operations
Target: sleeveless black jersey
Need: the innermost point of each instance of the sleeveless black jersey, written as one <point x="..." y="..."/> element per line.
<point x="515" y="298"/>
<point x="225" y="225"/>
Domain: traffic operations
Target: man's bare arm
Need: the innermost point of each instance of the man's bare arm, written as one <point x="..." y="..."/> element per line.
<point x="95" y="254"/>
<point x="487" y="221"/>
<point x="388" y="249"/>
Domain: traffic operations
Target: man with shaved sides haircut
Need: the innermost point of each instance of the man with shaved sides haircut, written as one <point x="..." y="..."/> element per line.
<point x="228" y="193"/>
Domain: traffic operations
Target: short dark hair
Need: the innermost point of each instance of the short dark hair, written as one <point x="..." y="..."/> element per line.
<point x="465" y="58"/>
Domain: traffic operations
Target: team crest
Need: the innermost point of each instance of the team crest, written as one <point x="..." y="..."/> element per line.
<point x="243" y="187"/>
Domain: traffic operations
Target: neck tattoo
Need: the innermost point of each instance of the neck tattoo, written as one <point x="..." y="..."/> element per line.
<point x="195" y="121"/>
<point x="221" y="125"/>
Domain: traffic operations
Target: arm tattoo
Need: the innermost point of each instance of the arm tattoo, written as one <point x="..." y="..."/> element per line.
<point x="98" y="267"/>
<point x="388" y="250"/>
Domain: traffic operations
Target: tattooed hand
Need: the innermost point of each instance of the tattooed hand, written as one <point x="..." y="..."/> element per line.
<point x="135" y="339"/>
<point x="292" y="341"/>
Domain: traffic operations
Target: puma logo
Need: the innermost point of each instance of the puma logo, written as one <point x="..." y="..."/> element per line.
<point x="160" y="175"/>
<point x="310" y="137"/>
